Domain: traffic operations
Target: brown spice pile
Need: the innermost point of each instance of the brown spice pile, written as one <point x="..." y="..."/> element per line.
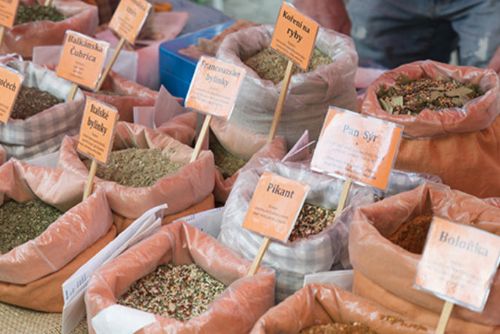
<point x="32" y="101"/>
<point x="411" y="235"/>
<point x="393" y="320"/>
<point x="336" y="328"/>
<point x="410" y="97"/>
<point x="225" y="161"/>
<point x="181" y="292"/>
<point x="312" y="220"/>
<point x="271" y="65"/>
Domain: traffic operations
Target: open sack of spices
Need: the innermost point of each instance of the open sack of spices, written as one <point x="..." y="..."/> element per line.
<point x="38" y="25"/>
<point x="330" y="81"/>
<point x="45" y="235"/>
<point x="387" y="239"/>
<point x="318" y="239"/>
<point x="146" y="168"/>
<point x="323" y="309"/>
<point x="41" y="116"/>
<point x="188" y="281"/>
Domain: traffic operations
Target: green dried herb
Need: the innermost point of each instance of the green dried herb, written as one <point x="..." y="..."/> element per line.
<point x="412" y="96"/>
<point x="270" y="65"/>
<point x="32" y="101"/>
<point x="180" y="292"/>
<point x="225" y="161"/>
<point x="337" y="328"/>
<point x="21" y="222"/>
<point x="312" y="220"/>
<point x="136" y="167"/>
<point x="37" y="12"/>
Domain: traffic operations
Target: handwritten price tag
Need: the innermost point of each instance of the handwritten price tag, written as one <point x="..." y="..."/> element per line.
<point x="8" y="12"/>
<point x="129" y="18"/>
<point x="10" y="85"/>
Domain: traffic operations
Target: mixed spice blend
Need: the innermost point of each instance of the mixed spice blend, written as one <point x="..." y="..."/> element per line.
<point x="37" y="12"/>
<point x="312" y="220"/>
<point x="411" y="235"/>
<point x="32" y="101"/>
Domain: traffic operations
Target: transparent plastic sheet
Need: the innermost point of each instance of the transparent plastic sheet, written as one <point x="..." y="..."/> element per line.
<point x="295" y="259"/>
<point x="234" y="311"/>
<point x="189" y="185"/>
<point x="22" y="38"/>
<point x="310" y="94"/>
<point x="373" y="255"/>
<point x="309" y="306"/>
<point x="475" y="115"/>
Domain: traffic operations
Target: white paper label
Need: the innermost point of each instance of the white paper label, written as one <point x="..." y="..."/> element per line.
<point x="118" y="319"/>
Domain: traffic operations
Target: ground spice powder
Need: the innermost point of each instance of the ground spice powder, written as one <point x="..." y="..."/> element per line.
<point x="37" y="12"/>
<point x="181" y="292"/>
<point x="411" y="235"/>
<point x="312" y="220"/>
<point x="226" y="162"/>
<point x="337" y="328"/>
<point x="32" y="101"/>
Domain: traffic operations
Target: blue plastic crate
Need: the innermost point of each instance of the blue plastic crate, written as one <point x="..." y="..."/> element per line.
<point x="176" y="70"/>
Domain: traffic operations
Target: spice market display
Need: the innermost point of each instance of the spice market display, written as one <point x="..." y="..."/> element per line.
<point x="147" y="223"/>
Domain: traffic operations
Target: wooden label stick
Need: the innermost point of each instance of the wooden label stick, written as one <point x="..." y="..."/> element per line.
<point x="260" y="255"/>
<point x="49" y="3"/>
<point x="281" y="101"/>
<point x="445" y="316"/>
<point x="72" y="92"/>
<point x="201" y="137"/>
<point x="2" y="32"/>
<point x="111" y="63"/>
<point x="343" y="196"/>
<point x="90" y="180"/>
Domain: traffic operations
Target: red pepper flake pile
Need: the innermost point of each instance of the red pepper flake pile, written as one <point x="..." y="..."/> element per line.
<point x="181" y="292"/>
<point x="411" y="235"/>
<point x="312" y="220"/>
<point x="336" y="328"/>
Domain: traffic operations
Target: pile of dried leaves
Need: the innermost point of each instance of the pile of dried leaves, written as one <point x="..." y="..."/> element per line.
<point x="225" y="161"/>
<point x="37" y="12"/>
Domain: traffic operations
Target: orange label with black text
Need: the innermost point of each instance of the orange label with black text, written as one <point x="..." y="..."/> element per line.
<point x="129" y="17"/>
<point x="10" y="85"/>
<point x="97" y="130"/>
<point x="82" y="59"/>
<point x="294" y="35"/>
<point x="8" y="12"/>
<point x="215" y="87"/>
<point x="357" y="147"/>
<point x="459" y="263"/>
<point x="275" y="206"/>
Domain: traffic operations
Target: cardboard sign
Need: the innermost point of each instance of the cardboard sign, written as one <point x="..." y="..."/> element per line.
<point x="82" y="59"/>
<point x="97" y="130"/>
<point x="215" y="87"/>
<point x="294" y="35"/>
<point x="129" y="17"/>
<point x="459" y="263"/>
<point x="10" y="85"/>
<point x="275" y="206"/>
<point x="8" y="12"/>
<point x="357" y="147"/>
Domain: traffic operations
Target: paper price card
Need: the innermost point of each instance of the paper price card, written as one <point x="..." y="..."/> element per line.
<point x="129" y="17"/>
<point x="357" y="147"/>
<point x="215" y="87"/>
<point x="294" y="35"/>
<point x="8" y="11"/>
<point x="10" y="85"/>
<point x="97" y="130"/>
<point x="82" y="59"/>
<point x="459" y="263"/>
<point x="275" y="206"/>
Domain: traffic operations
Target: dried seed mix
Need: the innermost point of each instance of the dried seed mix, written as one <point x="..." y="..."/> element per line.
<point x="135" y="167"/>
<point x="410" y="97"/>
<point x="32" y="101"/>
<point x="181" y="292"/>
<point x="411" y="235"/>
<point x="21" y="222"/>
<point x="336" y="328"/>
<point x="312" y="220"/>
<point x="270" y="65"/>
<point x="225" y="161"/>
<point x="37" y="12"/>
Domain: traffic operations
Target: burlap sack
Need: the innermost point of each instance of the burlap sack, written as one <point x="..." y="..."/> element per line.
<point x="22" y="38"/>
<point x="188" y="186"/>
<point x="374" y="256"/>
<point x="310" y="94"/>
<point x="124" y="95"/>
<point x="45" y="294"/>
<point x="317" y="304"/>
<point x="235" y="311"/>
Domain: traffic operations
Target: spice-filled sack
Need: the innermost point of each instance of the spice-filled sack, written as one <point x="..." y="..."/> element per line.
<point x="41" y="115"/>
<point x="124" y="95"/>
<point x="227" y="302"/>
<point x="319" y="238"/>
<point x="310" y="94"/>
<point x="147" y="168"/>
<point x="326" y="305"/>
<point x="389" y="236"/>
<point x="37" y="26"/>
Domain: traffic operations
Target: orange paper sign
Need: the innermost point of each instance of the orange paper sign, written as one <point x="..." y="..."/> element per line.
<point x="215" y="87"/>
<point x="8" y="11"/>
<point x="129" y="17"/>
<point x="10" y="85"/>
<point x="294" y="35"/>
<point x="275" y="206"/>
<point x="97" y="130"/>
<point x="82" y="59"/>
<point x="459" y="263"/>
<point x="357" y="147"/>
